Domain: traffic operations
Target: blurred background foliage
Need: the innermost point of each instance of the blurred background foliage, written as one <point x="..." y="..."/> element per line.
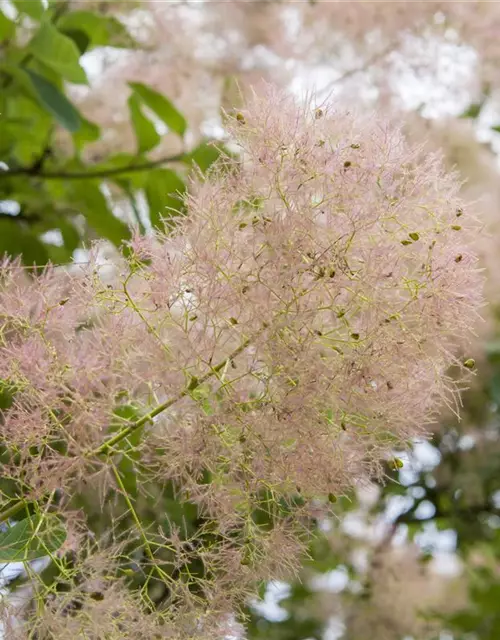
<point x="418" y="557"/>
<point x="54" y="196"/>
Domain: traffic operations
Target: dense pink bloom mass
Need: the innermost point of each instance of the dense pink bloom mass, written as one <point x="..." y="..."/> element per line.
<point x="335" y="250"/>
<point x="303" y="315"/>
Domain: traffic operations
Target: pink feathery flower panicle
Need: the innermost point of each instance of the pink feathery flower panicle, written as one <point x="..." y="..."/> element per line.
<point x="336" y="251"/>
<point x="342" y="254"/>
<point x="301" y="320"/>
<point x="351" y="249"/>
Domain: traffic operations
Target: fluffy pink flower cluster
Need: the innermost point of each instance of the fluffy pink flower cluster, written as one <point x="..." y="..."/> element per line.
<point x="341" y="255"/>
<point x="288" y="333"/>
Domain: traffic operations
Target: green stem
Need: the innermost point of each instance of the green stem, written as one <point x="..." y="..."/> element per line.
<point x="89" y="175"/>
<point x="12" y="510"/>
<point x="194" y="384"/>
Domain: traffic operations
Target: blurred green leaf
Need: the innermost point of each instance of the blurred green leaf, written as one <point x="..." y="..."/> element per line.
<point x="145" y="132"/>
<point x="24" y="128"/>
<point x="58" y="52"/>
<point x="164" y="190"/>
<point x="32" y="8"/>
<point x="55" y="102"/>
<point x="102" y="30"/>
<point x="204" y="155"/>
<point x="163" y="108"/>
<point x="7" y="391"/>
<point x="86" y="196"/>
<point x="473" y="111"/>
<point x="7" y="27"/>
<point x="71" y="237"/>
<point x="19" y="81"/>
<point x="493" y="350"/>
<point x="15" y="240"/>
<point x="494" y="387"/>
<point x="130" y="455"/>
<point x="79" y="37"/>
<point x="87" y="132"/>
<point x="31" y="538"/>
<point x="180" y="515"/>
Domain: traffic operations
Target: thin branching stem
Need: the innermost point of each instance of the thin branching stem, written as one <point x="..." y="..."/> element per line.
<point x="90" y="173"/>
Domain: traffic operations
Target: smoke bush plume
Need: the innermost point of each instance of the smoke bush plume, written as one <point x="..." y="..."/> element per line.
<point x="269" y="349"/>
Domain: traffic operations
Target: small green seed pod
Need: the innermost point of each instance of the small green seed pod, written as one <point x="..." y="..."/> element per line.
<point x="396" y="464"/>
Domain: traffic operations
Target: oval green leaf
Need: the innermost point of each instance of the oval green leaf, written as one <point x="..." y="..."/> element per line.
<point x="87" y="197"/>
<point x="205" y="155"/>
<point x="164" y="193"/>
<point x="79" y="37"/>
<point x="145" y="132"/>
<point x="55" y="102"/>
<point x="102" y="30"/>
<point x="32" y="538"/>
<point x="163" y="108"/>
<point x="32" y="8"/>
<point x="58" y="52"/>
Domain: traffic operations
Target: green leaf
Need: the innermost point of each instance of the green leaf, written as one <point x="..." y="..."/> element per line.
<point x="164" y="190"/>
<point x="496" y="128"/>
<point x="103" y="31"/>
<point x="204" y="155"/>
<point x="57" y="254"/>
<point x="180" y="515"/>
<point x="18" y="241"/>
<point x="473" y="110"/>
<point x="492" y="349"/>
<point x="58" y="52"/>
<point x="7" y="392"/>
<point x="54" y="77"/>
<point x="55" y="102"/>
<point x="24" y="128"/>
<point x="71" y="237"/>
<point x="145" y="132"/>
<point x="128" y="465"/>
<point x="87" y="196"/>
<point x="87" y="132"/>
<point x="32" y="8"/>
<point x="163" y="108"/>
<point x="79" y="37"/>
<point x="32" y="538"/>
<point x="18" y="80"/>
<point x="7" y="27"/>
<point x="494" y="387"/>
